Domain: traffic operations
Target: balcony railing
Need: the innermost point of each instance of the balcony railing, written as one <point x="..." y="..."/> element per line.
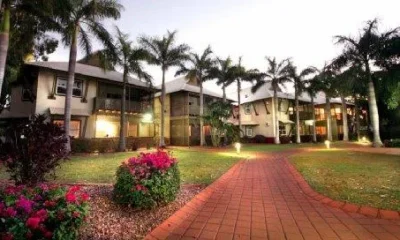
<point x="108" y="104"/>
<point x="302" y="116"/>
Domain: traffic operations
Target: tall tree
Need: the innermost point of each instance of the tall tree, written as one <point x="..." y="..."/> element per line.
<point x="4" y="38"/>
<point x="28" y="40"/>
<point x="240" y="73"/>
<point x="363" y="50"/>
<point x="224" y="74"/>
<point x="276" y="75"/>
<point x="79" y="23"/>
<point x="326" y="84"/>
<point x="164" y="52"/>
<point x="199" y="70"/>
<point x="299" y="81"/>
<point x="312" y="87"/>
<point x="129" y="58"/>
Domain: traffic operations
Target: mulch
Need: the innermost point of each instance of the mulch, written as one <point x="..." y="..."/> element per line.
<point x="108" y="220"/>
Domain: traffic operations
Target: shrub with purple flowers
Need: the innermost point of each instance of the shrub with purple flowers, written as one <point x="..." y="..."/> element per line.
<point x="42" y="212"/>
<point x="146" y="181"/>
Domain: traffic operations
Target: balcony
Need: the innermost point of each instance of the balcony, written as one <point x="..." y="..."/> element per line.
<point x="302" y="115"/>
<point x="108" y="104"/>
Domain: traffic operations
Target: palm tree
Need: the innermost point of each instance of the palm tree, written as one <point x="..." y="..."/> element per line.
<point x="79" y="23"/>
<point x="4" y="39"/>
<point x="277" y="74"/>
<point x="223" y="72"/>
<point x="199" y="71"/>
<point x="11" y="8"/>
<point x="165" y="53"/>
<point x="298" y="80"/>
<point x="325" y="78"/>
<point x="129" y="59"/>
<point x="312" y="88"/>
<point x="362" y="51"/>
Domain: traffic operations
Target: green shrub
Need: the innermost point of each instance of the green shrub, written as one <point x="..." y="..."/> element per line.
<point x="147" y="181"/>
<point x="393" y="143"/>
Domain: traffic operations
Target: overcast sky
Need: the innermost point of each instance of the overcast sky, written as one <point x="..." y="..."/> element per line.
<point x="302" y="30"/>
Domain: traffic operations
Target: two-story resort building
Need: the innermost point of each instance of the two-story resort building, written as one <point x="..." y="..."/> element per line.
<point x="96" y="99"/>
<point x="257" y="114"/>
<point x="182" y="108"/>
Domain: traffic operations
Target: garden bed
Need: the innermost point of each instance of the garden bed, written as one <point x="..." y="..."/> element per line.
<point x="108" y="220"/>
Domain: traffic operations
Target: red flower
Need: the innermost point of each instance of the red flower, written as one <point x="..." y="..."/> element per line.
<point x="33" y="222"/>
<point x="10" y="212"/>
<point x="42" y="214"/>
<point x="48" y="235"/>
<point x="7" y="236"/>
<point x="84" y="197"/>
<point x="25" y="204"/>
<point x="74" y="189"/>
<point x="70" y="197"/>
<point x="48" y="203"/>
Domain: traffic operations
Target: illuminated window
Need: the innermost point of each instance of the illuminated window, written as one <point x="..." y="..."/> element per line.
<point x="207" y="130"/>
<point x="320" y="114"/>
<point x="132" y="130"/>
<point x="320" y="130"/>
<point x="61" y="88"/>
<point x="74" y="127"/>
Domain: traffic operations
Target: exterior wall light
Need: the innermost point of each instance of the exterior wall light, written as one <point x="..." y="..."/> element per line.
<point x="238" y="146"/>
<point x="147" y="118"/>
<point x="328" y="144"/>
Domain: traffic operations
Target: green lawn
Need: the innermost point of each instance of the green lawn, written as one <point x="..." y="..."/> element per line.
<point x="360" y="178"/>
<point x="197" y="167"/>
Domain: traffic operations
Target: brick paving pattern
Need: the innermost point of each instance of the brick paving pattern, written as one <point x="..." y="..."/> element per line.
<point x="261" y="199"/>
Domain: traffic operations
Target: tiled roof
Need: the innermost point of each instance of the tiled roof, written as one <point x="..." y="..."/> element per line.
<point x="91" y="71"/>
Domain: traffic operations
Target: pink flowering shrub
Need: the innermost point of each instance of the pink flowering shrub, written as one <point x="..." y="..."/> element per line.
<point x="42" y="212"/>
<point x="148" y="180"/>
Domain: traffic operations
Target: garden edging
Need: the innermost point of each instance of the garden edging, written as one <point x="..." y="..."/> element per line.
<point x="345" y="206"/>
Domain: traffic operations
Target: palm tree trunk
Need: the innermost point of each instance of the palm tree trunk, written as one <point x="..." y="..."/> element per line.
<point x="328" y="120"/>
<point x="4" y="41"/>
<point x="70" y="85"/>
<point x="344" y="118"/>
<point x="298" y="139"/>
<point x="202" y="142"/>
<point x="239" y="88"/>
<point x="373" y="110"/>
<point x="223" y="93"/>
<point x="357" y="117"/>
<point x="162" y="141"/>
<point x="313" y="120"/>
<point x="277" y="140"/>
<point x="122" y="124"/>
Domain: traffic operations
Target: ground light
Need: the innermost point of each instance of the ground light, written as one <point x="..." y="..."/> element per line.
<point x="328" y="144"/>
<point x="238" y="146"/>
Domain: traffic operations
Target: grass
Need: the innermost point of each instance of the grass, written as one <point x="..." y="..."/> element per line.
<point x="360" y="178"/>
<point x="196" y="167"/>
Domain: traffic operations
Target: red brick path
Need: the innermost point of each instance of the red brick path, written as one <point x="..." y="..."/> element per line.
<point x="260" y="199"/>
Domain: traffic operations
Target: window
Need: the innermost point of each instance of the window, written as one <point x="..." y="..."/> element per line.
<point x="282" y="130"/>
<point x="132" y="130"/>
<point x="249" y="131"/>
<point x="61" y="88"/>
<point x="321" y="130"/>
<point x="247" y="109"/>
<point x="26" y="94"/>
<point x="320" y="114"/>
<point x="74" y="127"/>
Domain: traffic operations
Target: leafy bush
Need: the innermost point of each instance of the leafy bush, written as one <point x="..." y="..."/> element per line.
<point x="393" y="143"/>
<point x="32" y="150"/>
<point x="104" y="145"/>
<point x="146" y="181"/>
<point x="43" y="212"/>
